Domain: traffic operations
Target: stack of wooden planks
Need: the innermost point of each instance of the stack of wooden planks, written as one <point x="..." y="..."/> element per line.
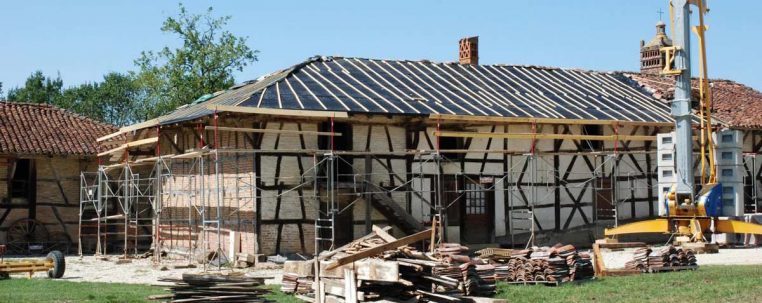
<point x="551" y="265"/>
<point x="213" y="288"/>
<point x="380" y="266"/>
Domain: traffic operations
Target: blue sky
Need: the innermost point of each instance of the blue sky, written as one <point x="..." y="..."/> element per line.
<point x="83" y="40"/>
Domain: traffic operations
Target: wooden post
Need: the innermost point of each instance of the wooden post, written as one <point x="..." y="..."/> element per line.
<point x="350" y="286"/>
<point x="368" y="195"/>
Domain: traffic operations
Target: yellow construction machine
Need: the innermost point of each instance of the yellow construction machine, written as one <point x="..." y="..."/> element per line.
<point x="689" y="215"/>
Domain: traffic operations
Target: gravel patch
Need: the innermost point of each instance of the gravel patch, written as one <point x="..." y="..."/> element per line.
<point x="143" y="271"/>
<point x="727" y="256"/>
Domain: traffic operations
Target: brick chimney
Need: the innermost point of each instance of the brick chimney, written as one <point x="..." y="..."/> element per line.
<point x="469" y="50"/>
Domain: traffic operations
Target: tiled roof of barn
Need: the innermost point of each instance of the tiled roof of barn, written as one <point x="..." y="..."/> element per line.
<point x="41" y="129"/>
<point x="733" y="104"/>
<point x="357" y="85"/>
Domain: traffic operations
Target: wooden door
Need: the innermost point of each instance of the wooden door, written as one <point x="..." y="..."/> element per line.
<point x="477" y="210"/>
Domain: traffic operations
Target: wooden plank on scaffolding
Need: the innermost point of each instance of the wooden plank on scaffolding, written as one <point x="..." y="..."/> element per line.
<point x="190" y="155"/>
<point x="381" y="248"/>
<point x="543" y="136"/>
<point x="273" y="131"/>
<point x="126" y="129"/>
<point x="493" y="119"/>
<point x="153" y="159"/>
<point x="130" y="144"/>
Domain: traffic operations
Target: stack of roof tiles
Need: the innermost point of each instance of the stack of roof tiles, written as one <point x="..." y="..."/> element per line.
<point x="560" y="263"/>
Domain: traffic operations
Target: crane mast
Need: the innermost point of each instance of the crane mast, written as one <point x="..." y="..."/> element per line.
<point x="681" y="105"/>
<point x="689" y="214"/>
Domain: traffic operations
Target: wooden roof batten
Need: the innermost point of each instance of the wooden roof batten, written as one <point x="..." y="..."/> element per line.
<point x="345" y="87"/>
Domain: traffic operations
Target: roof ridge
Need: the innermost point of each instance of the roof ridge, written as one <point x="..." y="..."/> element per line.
<point x="328" y="58"/>
<point x="55" y="107"/>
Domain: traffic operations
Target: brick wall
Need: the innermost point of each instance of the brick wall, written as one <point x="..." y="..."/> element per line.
<point x="57" y="195"/>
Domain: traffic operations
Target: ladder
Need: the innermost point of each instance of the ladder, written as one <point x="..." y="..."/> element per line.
<point x="522" y="221"/>
<point x="325" y="222"/>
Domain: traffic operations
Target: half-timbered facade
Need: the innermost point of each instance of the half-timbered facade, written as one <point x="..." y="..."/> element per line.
<point x="333" y="145"/>
<point x="42" y="151"/>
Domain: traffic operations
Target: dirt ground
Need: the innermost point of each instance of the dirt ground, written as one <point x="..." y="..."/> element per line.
<point x="726" y="256"/>
<point x="142" y="271"/>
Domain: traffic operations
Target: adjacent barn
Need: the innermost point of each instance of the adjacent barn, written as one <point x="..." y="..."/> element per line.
<point x="43" y="149"/>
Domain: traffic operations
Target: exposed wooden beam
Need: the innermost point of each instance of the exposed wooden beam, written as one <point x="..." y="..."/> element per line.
<point x="380" y="249"/>
<point x="129" y="144"/>
<point x="277" y="111"/>
<point x="273" y="131"/>
<point x="542" y="136"/>
<point x="126" y="129"/>
<point x="488" y="119"/>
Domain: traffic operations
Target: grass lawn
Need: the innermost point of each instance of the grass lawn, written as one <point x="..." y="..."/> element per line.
<point x="707" y="284"/>
<point x="20" y="289"/>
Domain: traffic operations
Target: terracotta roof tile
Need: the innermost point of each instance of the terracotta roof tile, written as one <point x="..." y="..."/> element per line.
<point x="733" y="104"/>
<point x="27" y="128"/>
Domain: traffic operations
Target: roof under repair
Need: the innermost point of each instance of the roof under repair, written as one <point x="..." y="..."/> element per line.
<point x="356" y="85"/>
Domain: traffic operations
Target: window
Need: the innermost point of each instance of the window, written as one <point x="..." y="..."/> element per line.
<point x="22" y="183"/>
<point x="450" y="143"/>
<point x="476" y="201"/>
<point x="727" y="138"/>
<point x="727" y="155"/>
<point x="666" y="140"/>
<point x="592" y="130"/>
<point x="665" y="189"/>
<point x="343" y="142"/>
<point x="666" y="173"/>
<point x="727" y="172"/>
<point x="727" y="190"/>
<point x="666" y="157"/>
<point x="728" y="202"/>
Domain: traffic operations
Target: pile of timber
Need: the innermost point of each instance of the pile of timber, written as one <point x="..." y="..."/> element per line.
<point x="294" y="284"/>
<point x="550" y="265"/>
<point x="379" y="266"/>
<point x="211" y="287"/>
<point x="664" y="258"/>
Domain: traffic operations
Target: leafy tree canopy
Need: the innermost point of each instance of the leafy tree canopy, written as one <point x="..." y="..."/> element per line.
<point x="203" y="64"/>
<point x="38" y="88"/>
<point x="165" y="79"/>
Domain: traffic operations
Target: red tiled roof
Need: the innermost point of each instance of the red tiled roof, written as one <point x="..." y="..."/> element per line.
<point x="733" y="104"/>
<point x="27" y="128"/>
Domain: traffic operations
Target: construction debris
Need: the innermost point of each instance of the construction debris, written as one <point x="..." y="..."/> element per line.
<point x="216" y="288"/>
<point x="665" y="258"/>
<point x="544" y="265"/>
<point x="380" y="266"/>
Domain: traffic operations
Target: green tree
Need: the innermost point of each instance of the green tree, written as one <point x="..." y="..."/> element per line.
<point x="116" y="100"/>
<point x="203" y="64"/>
<point x="37" y="89"/>
<point x="1" y="90"/>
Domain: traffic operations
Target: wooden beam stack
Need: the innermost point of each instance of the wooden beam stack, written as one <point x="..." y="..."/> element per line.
<point x="211" y="287"/>
<point x="380" y="266"/>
